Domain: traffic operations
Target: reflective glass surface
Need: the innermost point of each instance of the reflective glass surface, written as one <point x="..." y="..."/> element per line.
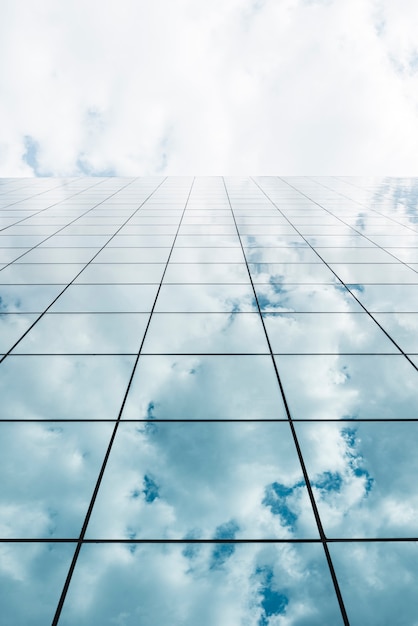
<point x="191" y="584"/>
<point x="122" y="273"/>
<point x="28" y="298"/>
<point x="85" y="333"/>
<point x="200" y="479"/>
<point x="205" y="298"/>
<point x="378" y="580"/>
<point x="63" y="387"/>
<point x="207" y="273"/>
<point x="209" y="401"/>
<point x="358" y="493"/>
<point x="59" y="463"/>
<point x="178" y="387"/>
<point x="234" y="333"/>
<point x="305" y="298"/>
<point x="121" y="298"/>
<point x="326" y="333"/>
<point x="349" y="386"/>
<point x="32" y="576"/>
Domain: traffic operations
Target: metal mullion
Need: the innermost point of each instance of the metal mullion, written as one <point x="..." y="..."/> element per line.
<point x="282" y="540"/>
<point x="138" y="420"/>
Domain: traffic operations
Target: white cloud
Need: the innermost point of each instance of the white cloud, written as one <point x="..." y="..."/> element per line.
<point x="49" y="473"/>
<point x="361" y="475"/>
<point x="161" y="585"/>
<point x="205" y="476"/>
<point x="378" y="581"/>
<point x="226" y="87"/>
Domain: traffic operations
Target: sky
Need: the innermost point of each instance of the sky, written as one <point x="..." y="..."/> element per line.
<point x="234" y="87"/>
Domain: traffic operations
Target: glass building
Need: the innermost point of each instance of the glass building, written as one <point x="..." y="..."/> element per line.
<point x="209" y="401"/>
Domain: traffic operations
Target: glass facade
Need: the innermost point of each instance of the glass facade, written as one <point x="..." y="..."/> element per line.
<point x="209" y="401"/>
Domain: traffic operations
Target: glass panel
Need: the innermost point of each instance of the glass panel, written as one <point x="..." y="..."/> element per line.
<point x="355" y="255"/>
<point x="59" y="255"/>
<point x="395" y="241"/>
<point x="324" y="229"/>
<point x="349" y="386"/>
<point x="106" y="298"/>
<point x="322" y="333"/>
<point x="114" y="219"/>
<point x="42" y="273"/>
<point x="204" y="387"/>
<point x="291" y="273"/>
<point x="145" y="217"/>
<point x="75" y="241"/>
<point x="207" y="218"/>
<point x="7" y="255"/>
<point x="408" y="255"/>
<point x="363" y="476"/>
<point x="267" y="229"/>
<point x="150" y="229"/>
<point x="209" y="241"/>
<point x="207" y="255"/>
<point x="305" y="298"/>
<point x="402" y="327"/>
<point x="122" y="273"/>
<point x="12" y="327"/>
<point x="19" y="241"/>
<point x="85" y="333"/>
<point x="207" y="273"/>
<point x="23" y="229"/>
<point x="48" y="472"/>
<point x="63" y="387"/>
<point x="339" y="241"/>
<point x="133" y="255"/>
<point x="378" y="581"/>
<point x="184" y="479"/>
<point x="208" y="229"/>
<point x="205" y="298"/>
<point x="197" y="333"/>
<point x="387" y="298"/>
<point x="209" y="585"/>
<point x="141" y="241"/>
<point x="273" y="241"/>
<point x="375" y="273"/>
<point x="85" y="229"/>
<point x="27" y="298"/>
<point x="31" y="579"/>
<point x="281" y="255"/>
<point x="371" y="230"/>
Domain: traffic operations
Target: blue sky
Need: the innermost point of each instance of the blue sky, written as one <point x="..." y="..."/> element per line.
<point x="226" y="87"/>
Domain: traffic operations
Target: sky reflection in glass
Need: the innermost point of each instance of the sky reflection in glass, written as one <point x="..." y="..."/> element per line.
<point x="210" y="387"/>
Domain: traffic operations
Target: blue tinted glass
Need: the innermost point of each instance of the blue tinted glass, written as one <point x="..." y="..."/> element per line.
<point x="207" y="584"/>
<point x="378" y="581"/>
<point x="32" y="576"/>
<point x="183" y="479"/>
<point x="204" y="387"/>
<point x="210" y="386"/>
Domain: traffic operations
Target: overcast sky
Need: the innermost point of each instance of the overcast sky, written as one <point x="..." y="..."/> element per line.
<point x="178" y="87"/>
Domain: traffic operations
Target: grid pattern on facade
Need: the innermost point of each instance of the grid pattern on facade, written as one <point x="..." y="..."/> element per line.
<point x="209" y="401"/>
